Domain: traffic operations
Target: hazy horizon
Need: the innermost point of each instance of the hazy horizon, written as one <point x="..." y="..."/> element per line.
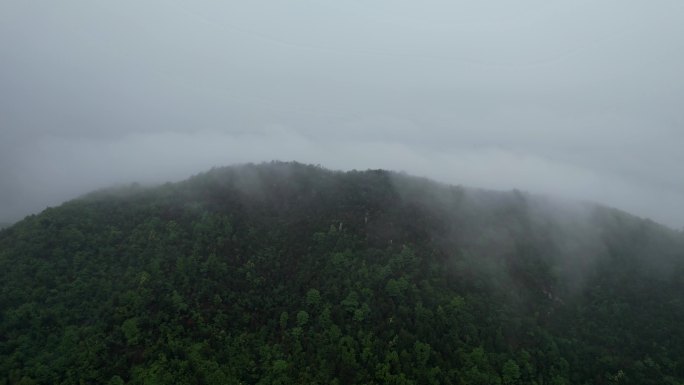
<point x="573" y="99"/>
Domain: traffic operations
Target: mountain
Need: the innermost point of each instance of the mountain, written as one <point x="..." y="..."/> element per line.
<point x="284" y="273"/>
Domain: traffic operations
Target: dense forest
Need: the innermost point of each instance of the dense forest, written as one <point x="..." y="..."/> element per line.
<point x="284" y="273"/>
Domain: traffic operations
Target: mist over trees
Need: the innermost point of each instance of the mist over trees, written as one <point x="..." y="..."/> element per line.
<point x="285" y="273"/>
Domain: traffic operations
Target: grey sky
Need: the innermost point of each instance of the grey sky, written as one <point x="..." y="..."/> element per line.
<point x="574" y="98"/>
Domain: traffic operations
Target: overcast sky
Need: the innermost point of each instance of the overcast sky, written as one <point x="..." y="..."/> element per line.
<point x="582" y="99"/>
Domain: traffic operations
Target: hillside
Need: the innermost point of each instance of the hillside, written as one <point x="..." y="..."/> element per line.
<point x="285" y="273"/>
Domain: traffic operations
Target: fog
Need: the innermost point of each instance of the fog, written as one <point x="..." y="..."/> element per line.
<point x="571" y="98"/>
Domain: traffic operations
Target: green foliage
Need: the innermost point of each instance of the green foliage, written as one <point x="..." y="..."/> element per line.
<point x="302" y="318"/>
<point x="287" y="274"/>
<point x="283" y="320"/>
<point x="131" y="331"/>
<point x="313" y="298"/>
<point x="510" y="373"/>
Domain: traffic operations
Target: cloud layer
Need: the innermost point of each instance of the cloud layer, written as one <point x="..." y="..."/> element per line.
<point x="569" y="98"/>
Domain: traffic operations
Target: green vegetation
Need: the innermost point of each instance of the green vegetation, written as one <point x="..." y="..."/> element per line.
<point x="291" y="274"/>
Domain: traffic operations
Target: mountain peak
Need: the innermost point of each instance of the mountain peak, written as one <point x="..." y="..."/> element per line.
<point x="290" y="273"/>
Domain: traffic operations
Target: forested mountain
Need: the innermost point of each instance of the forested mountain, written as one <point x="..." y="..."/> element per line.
<point x="284" y="273"/>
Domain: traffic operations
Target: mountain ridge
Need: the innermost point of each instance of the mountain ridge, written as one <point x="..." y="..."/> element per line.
<point x="289" y="273"/>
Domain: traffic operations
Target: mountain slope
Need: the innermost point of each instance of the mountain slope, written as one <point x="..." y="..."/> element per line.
<point x="285" y="273"/>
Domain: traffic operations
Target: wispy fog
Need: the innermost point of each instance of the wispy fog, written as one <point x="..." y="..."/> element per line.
<point x="573" y="98"/>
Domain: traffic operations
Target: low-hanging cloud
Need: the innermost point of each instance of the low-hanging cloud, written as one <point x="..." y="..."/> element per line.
<point x="565" y="98"/>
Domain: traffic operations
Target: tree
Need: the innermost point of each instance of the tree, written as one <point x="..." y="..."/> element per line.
<point x="510" y="373"/>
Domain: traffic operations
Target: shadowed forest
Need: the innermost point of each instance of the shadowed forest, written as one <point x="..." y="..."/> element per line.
<point x="283" y="273"/>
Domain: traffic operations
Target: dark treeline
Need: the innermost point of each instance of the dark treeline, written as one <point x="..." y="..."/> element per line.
<point x="290" y="274"/>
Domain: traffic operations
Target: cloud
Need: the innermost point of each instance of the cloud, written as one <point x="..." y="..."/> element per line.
<point x="63" y="169"/>
<point x="570" y="98"/>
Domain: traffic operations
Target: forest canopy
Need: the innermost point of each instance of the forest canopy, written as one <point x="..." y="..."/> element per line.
<point x="284" y="273"/>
